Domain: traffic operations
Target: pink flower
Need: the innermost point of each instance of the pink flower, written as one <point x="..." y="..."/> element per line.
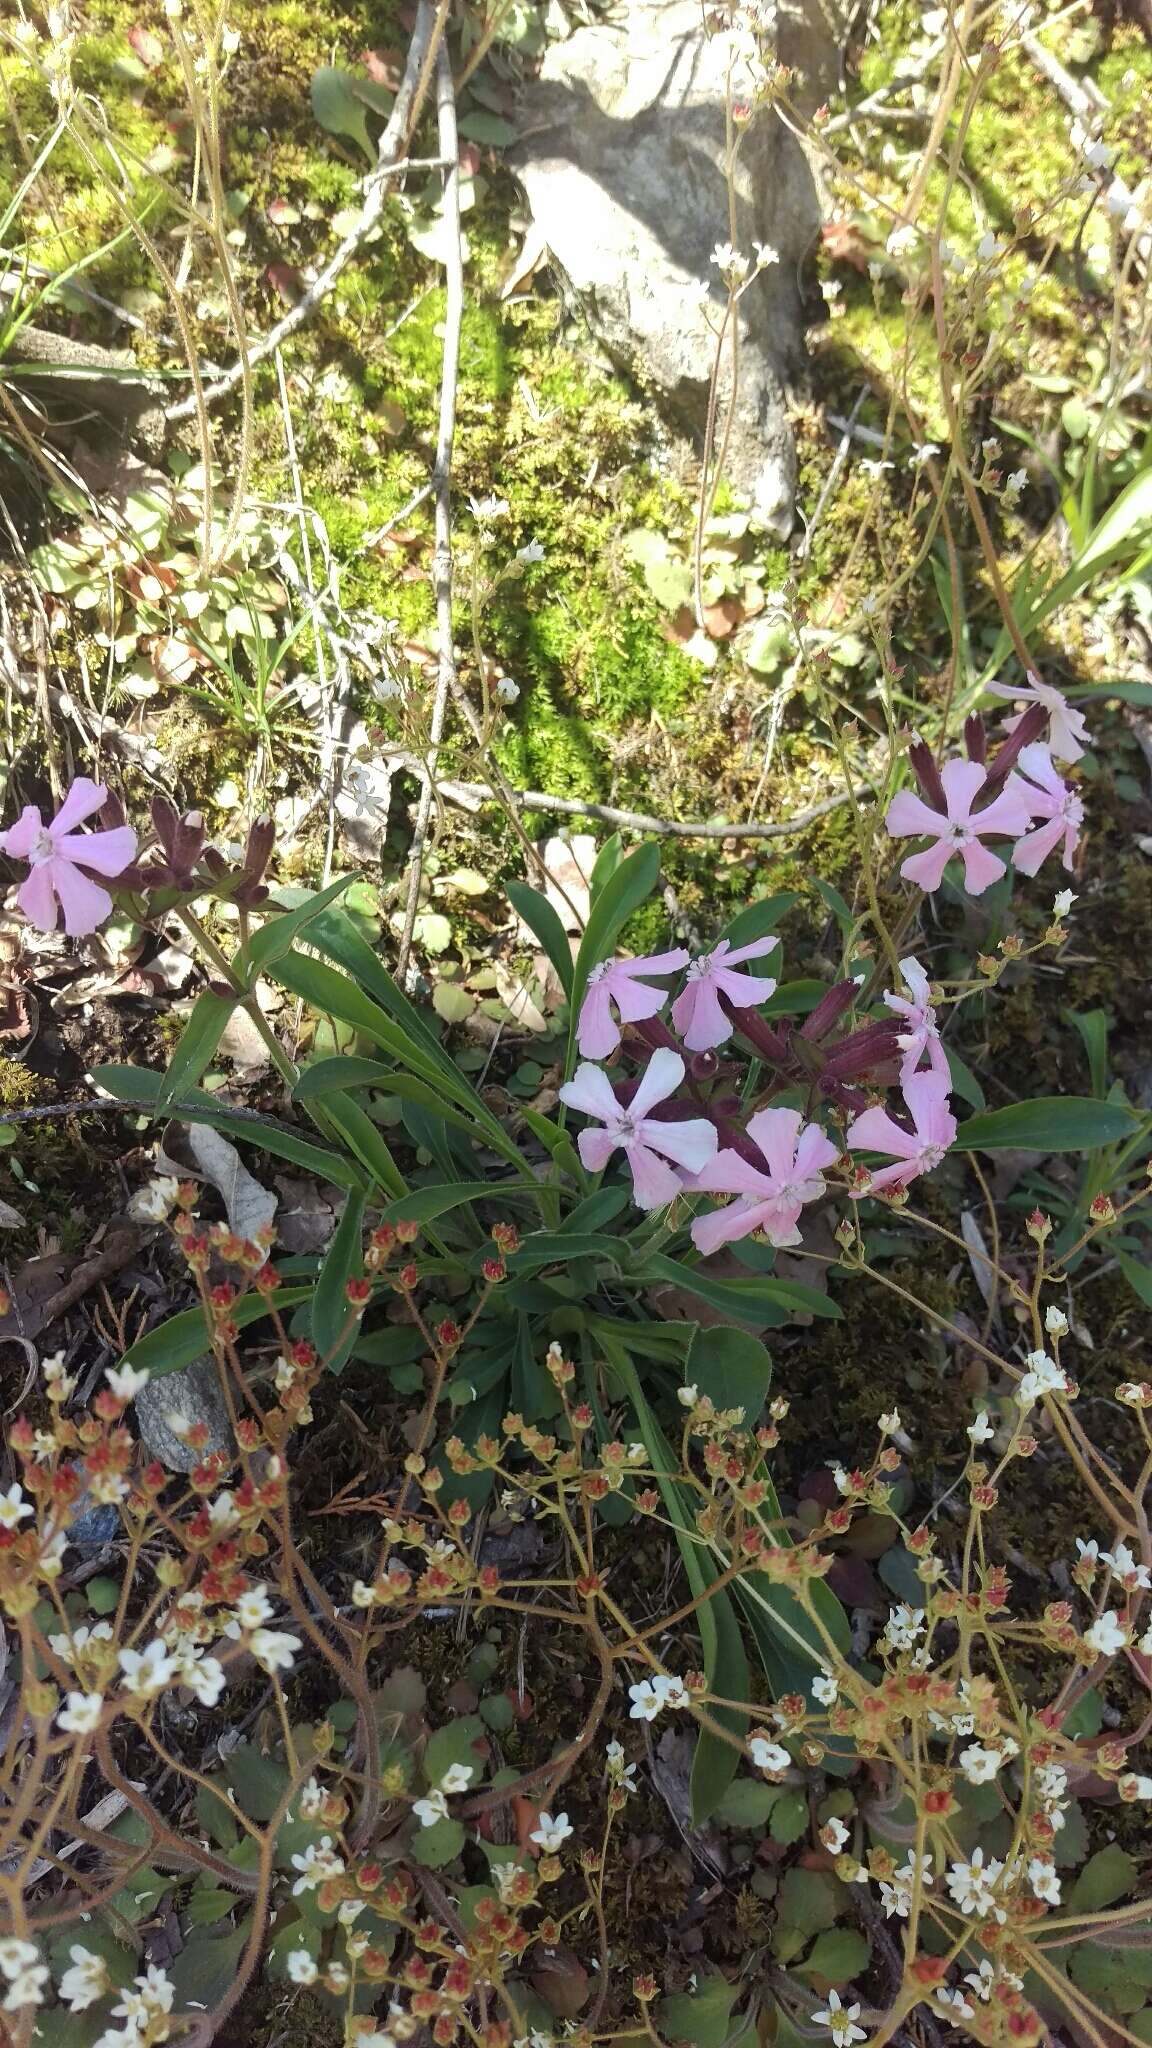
<point x="916" y="1151"/>
<point x="59" y="856"/>
<point x="1052" y="800"/>
<point x="922" y="1034"/>
<point x="691" y="1144"/>
<point x="958" y="829"/>
<point x="616" y="981"/>
<point x="794" y="1153"/>
<point x="698" y="1014"/>
<point x="1067" y="730"/>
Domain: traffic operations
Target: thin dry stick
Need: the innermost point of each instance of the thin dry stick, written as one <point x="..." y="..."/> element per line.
<point x="389" y="163"/>
<point x="442" y="485"/>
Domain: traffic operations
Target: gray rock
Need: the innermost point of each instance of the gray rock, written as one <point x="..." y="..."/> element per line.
<point x="194" y="1395"/>
<point x="622" y="160"/>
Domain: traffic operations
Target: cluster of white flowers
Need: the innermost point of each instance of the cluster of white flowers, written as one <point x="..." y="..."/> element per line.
<point x="23" y="1972"/>
<point x="434" y="1805"/>
<point x="1041" y="1376"/>
<point x="904" y="1627"/>
<point x="652" y="1695"/>
<point x="896" y="1894"/>
<point x="619" y="1772"/>
<point x="155" y="1202"/>
<point x="980" y="1764"/>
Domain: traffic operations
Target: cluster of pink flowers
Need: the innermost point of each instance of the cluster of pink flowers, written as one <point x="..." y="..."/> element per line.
<point x="677" y="1124"/>
<point x="1020" y="795"/>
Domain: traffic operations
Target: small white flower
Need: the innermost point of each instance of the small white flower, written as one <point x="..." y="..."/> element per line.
<point x="1015" y="482"/>
<point x="835" y="1836"/>
<point x="982" y="1430"/>
<point x="826" y="1689"/>
<point x="765" y="255"/>
<point x="646" y="1701"/>
<point x="1043" y="1880"/>
<point x="85" y="1981"/>
<point x="901" y="241"/>
<point x="768" y="1756"/>
<point x="687" y="1397"/>
<point x="532" y="551"/>
<point x="17" y="1955"/>
<point x="252" y="1609"/>
<point x="204" y="1676"/>
<point x="873" y="466"/>
<point x="904" y="1626"/>
<point x="1125" y="1566"/>
<point x="955" y="2001"/>
<point x="484" y="510"/>
<point x="889" y="1424"/>
<point x="922" y="453"/>
<point x="1055" y="1321"/>
<point x="126" y="1381"/>
<point x="728" y="261"/>
<point x="841" y="2021"/>
<point x="14" y="1509"/>
<point x="507" y="691"/>
<point x="28" y="1988"/>
<point x="672" y="1691"/>
<point x="973" y="1885"/>
<point x="153" y="1203"/>
<point x="619" y="1772"/>
<point x="273" y="1650"/>
<point x="81" y="1712"/>
<point x="1062" y="903"/>
<point x="1133" y="1786"/>
<point x="980" y="1765"/>
<point x="989" y="246"/>
<point x="982" y="1979"/>
<point x="552" y="1832"/>
<point x="1089" y="1552"/>
<point x="150" y="1997"/>
<point x="336" y="1979"/>
<point x="301" y="1967"/>
<point x="1107" y="1635"/>
<point x="317" y="1863"/>
<point x="362" y="1594"/>
<point x="311" y="1802"/>
<point x="457" y="1778"/>
<point x="147" y="1672"/>
<point x="431" y="1808"/>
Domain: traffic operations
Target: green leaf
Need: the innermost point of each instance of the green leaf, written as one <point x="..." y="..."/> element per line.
<point x="702" y="2017"/>
<point x="345" y="1072"/>
<point x="195" y="1046"/>
<point x="424" y="1205"/>
<point x="746" y="1804"/>
<point x="733" y="1368"/>
<point x="365" y="1141"/>
<point x="1107" y="1876"/>
<point x="337" y="108"/>
<point x="453" y="1744"/>
<point x="479" y="126"/>
<point x="333" y="1324"/>
<point x="744" y="1300"/>
<point x="103" y="1595"/>
<point x="837" y="1956"/>
<point x="810" y="1900"/>
<point x="281" y="930"/>
<point x="141" y="1087"/>
<point x="538" y="914"/>
<point x="185" y="1337"/>
<point x="1138" y="1276"/>
<point x="1092" y="1026"/>
<point x="622" y="894"/>
<point x="439" y="1844"/>
<point x="788" y="1820"/>
<point x="756" y="921"/>
<point x="559" y="1247"/>
<point x="1053" y="1123"/>
<point x="205" y="1968"/>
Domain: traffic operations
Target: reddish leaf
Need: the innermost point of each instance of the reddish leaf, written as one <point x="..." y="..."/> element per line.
<point x="286" y="282"/>
<point x="148" y="47"/>
<point x="722" y="619"/>
<point x="384" y="67"/>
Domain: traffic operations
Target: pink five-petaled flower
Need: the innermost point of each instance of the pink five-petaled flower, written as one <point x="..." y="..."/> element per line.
<point x="1053" y="801"/>
<point x="1067" y="730"/>
<point x="794" y="1153"/>
<point x="59" y="857"/>
<point x="958" y="828"/>
<point x="916" y="1151"/>
<point x="921" y="1034"/>
<point x="698" y="1014"/>
<point x="691" y="1144"/>
<point x="616" y="981"/>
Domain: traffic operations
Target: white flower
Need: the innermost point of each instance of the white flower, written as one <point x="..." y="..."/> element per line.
<point x="980" y="1765"/>
<point x="151" y="1997"/>
<point x="890" y="1423"/>
<point x="1133" y="1786"/>
<point x="923" y="453"/>
<point x="13" y="1508"/>
<point x="840" y="2021"/>
<point x="507" y="691"/>
<point x="316" y="1865"/>
<point x="127" y="1380"/>
<point x="904" y="1625"/>
<point x="1062" y="904"/>
<point x="273" y="1650"/>
<point x="1107" y="1635"/>
<point x="81" y="1713"/>
<point x="873" y="466"/>
<point x="982" y="1430"/>
<point x="1043" y="1880"/>
<point x="222" y="1512"/>
<point x="765" y="255"/>
<point x="672" y="1691"/>
<point x="431" y="1808"/>
<point x="732" y="266"/>
<point x="646" y="1701"/>
<point x="1125" y="1566"/>
<point x="988" y="246"/>
<point x="17" y="1955"/>
<point x="205" y="1676"/>
<point x="86" y="1980"/>
<point x="901" y="241"/>
<point x="532" y="551"/>
<point x="485" y="509"/>
<point x="1043" y="1376"/>
<point x="826" y="1689"/>
<point x="768" y="1756"/>
<point x="311" y="1800"/>
<point x="1051" y="1782"/>
<point x="152" y="1204"/>
<point x="147" y="1672"/>
<point x="972" y="1885"/>
<point x="688" y="1396"/>
<point x="619" y="1772"/>
<point x="982" y="1979"/>
<point x="336" y="1979"/>
<point x="27" y="1988"/>
<point x="457" y="1778"/>
<point x="954" y="2000"/>
<point x="1089" y="1552"/>
<point x="301" y="1967"/>
<point x="1055" y="1321"/>
<point x="252" y="1609"/>
<point x="835" y="1836"/>
<point x="1015" y="482"/>
<point x="552" y="1832"/>
<point x="362" y="1594"/>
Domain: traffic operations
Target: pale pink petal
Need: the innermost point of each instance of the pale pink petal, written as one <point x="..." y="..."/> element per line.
<point x="908" y="814"/>
<point x="84" y="903"/>
<point x="916" y="981"/>
<point x="590" y="1090"/>
<point x="1037" y="764"/>
<point x="1030" y="853"/>
<point x="775" y="1132"/>
<point x="927" y="869"/>
<point x="699" y="1018"/>
<point x="981" y="868"/>
<point x="634" y="999"/>
<point x="744" y="991"/>
<point x="730" y="1174"/>
<point x="927" y="1099"/>
<point x="653" y="1183"/>
<point x="725" y="1226"/>
<point x="1068" y="731"/>
<point x="596" y="1148"/>
<point x="781" y="1224"/>
<point x="20" y="839"/>
<point x="106" y="853"/>
<point x="663" y="1074"/>
<point x="756" y="950"/>
<point x="875" y="1131"/>
<point x="691" y="1143"/>
<point x="891" y="1176"/>
<point x="961" y="781"/>
<point x="84" y="797"/>
<point x="37" y="898"/>
<point x="656" y="963"/>
<point x="1009" y="811"/>
<point x="597" y="1034"/>
<point x="814" y="1152"/>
